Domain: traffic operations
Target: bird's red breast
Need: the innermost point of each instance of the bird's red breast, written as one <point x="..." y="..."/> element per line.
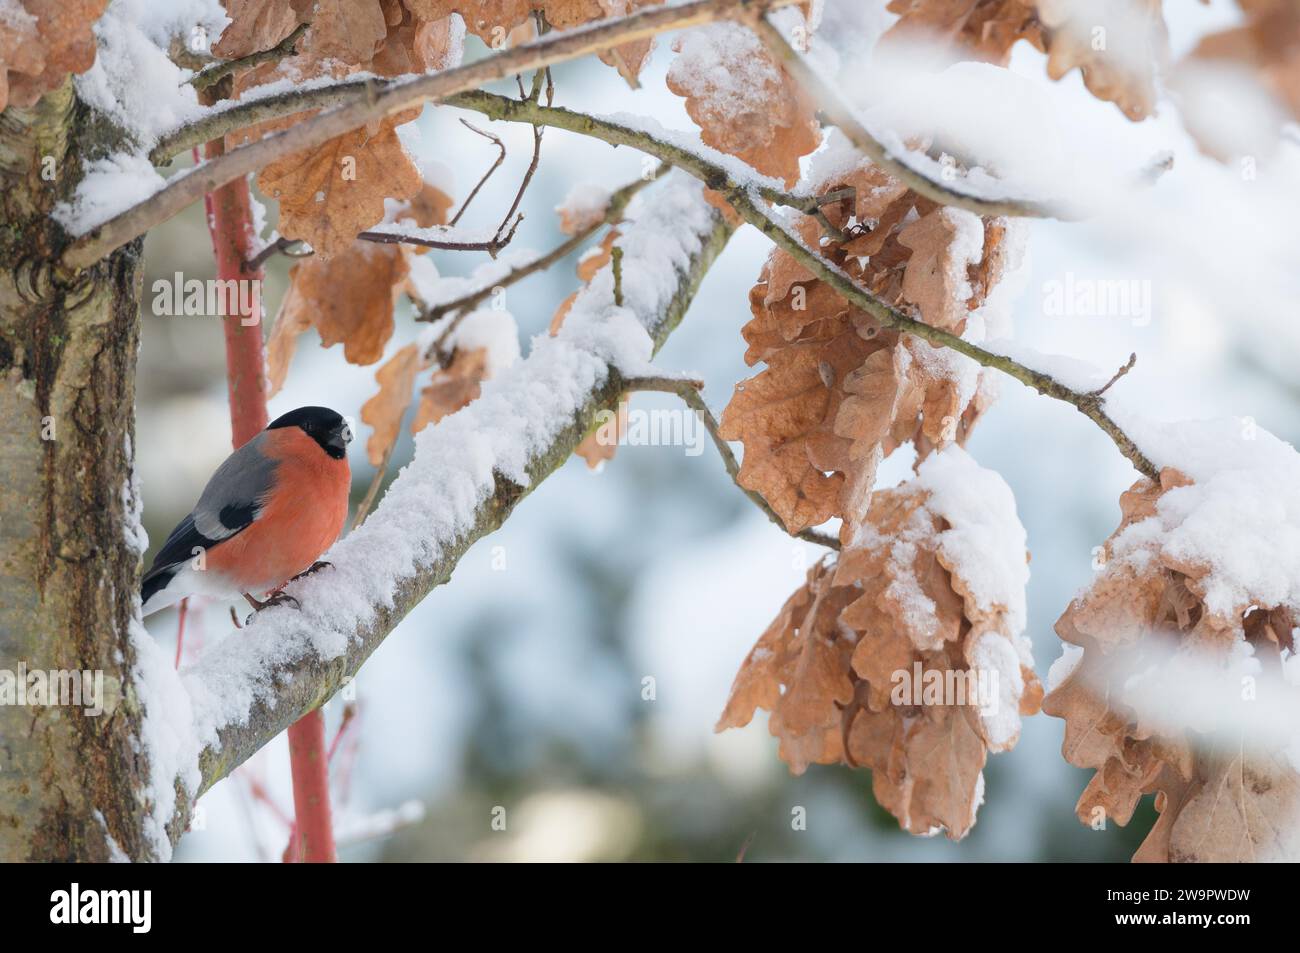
<point x="301" y="517"/>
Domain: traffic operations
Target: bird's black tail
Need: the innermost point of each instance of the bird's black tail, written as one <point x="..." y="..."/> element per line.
<point x="155" y="581"/>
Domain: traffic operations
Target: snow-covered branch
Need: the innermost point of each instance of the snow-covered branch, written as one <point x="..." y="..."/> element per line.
<point x="839" y="113"/>
<point x="371" y="100"/>
<point x="745" y="192"/>
<point x="468" y="474"/>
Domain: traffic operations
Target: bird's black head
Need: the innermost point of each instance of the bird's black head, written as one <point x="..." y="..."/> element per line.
<point x="323" y="425"/>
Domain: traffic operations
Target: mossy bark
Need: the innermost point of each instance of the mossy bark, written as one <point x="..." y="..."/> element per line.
<point x="70" y="782"/>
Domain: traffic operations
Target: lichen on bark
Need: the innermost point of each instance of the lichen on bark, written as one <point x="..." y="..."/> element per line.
<point x="69" y="781"/>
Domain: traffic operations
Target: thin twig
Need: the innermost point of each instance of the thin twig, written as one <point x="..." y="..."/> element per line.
<point x="486" y="175"/>
<point x="614" y="211"/>
<point x="523" y="186"/>
<point x="373" y="490"/>
<point x="280" y="245"/>
<point x="215" y="74"/>
<point x="365" y="104"/>
<point x="1132" y="359"/>
<point x="492" y="246"/>
<point x="744" y="199"/>
<point x="689" y="391"/>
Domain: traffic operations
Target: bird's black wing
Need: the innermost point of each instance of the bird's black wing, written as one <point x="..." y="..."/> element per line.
<point x="229" y="504"/>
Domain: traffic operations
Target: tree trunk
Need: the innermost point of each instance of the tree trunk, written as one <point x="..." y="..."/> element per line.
<point x="71" y="783"/>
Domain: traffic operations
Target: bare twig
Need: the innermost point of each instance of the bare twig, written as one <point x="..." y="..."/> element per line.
<point x="372" y="491"/>
<point x="618" y="203"/>
<point x="365" y="103"/>
<point x="744" y="199"/>
<point x="215" y="74"/>
<point x="501" y="157"/>
<point x="689" y="391"/>
<point x="492" y="246"/>
<point x="280" y="245"/>
<point x="1132" y="359"/>
<point x="523" y="185"/>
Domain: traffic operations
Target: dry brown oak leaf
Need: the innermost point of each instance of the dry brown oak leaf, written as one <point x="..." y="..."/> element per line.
<point x="745" y="103"/>
<point x="330" y="195"/>
<point x="41" y="42"/>
<point x="827" y="667"/>
<point x="1219" y="798"/>
<point x="840" y="393"/>
<point x="1120" y="49"/>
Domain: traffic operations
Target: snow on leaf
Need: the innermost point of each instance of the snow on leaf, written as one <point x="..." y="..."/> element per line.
<point x="744" y="103"/>
<point x="933" y="582"/>
<point x="982" y="30"/>
<point x="583" y="207"/>
<point x="1120" y="46"/>
<point x="1197" y="594"/>
<point x="839" y="393"/>
<point x="331" y="194"/>
<point x="1256" y="67"/>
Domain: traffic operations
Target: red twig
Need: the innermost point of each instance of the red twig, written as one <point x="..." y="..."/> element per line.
<point x="260" y="793"/>
<point x="234" y="243"/>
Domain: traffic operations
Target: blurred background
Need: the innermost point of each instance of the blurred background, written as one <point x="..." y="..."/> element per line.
<point x="519" y="686"/>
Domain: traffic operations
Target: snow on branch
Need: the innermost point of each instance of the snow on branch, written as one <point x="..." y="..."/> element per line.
<point x="370" y="100"/>
<point x="745" y="192"/>
<point x="841" y="114"/>
<point x="468" y="474"/>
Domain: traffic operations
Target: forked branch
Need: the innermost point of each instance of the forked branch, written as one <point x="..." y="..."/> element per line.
<point x="747" y="200"/>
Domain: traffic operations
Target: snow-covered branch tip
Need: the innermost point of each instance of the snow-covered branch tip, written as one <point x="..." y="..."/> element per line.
<point x="368" y="100"/>
<point x="469" y="473"/>
<point x="746" y="198"/>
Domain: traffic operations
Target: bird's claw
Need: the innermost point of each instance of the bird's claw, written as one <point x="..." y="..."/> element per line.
<point x="277" y="598"/>
<point x="315" y="567"/>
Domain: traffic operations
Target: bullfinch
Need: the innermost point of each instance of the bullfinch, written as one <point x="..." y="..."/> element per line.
<point x="267" y="514"/>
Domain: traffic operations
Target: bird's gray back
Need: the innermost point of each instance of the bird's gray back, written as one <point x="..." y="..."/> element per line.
<point x="236" y="492"/>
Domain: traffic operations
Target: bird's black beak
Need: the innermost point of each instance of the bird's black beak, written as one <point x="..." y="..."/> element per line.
<point x="341" y="437"/>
